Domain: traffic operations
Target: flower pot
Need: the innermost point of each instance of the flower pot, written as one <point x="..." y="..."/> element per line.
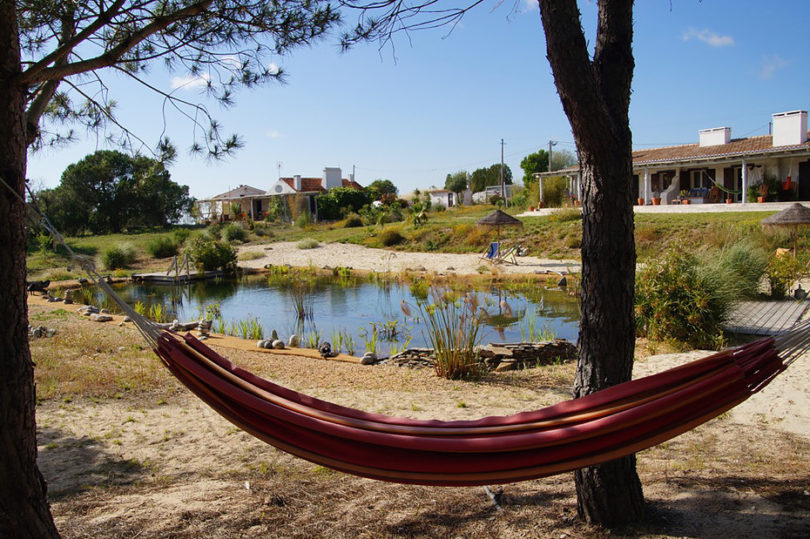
<point x="640" y="201"/>
<point x="656" y="201"/>
<point x="760" y="200"/>
<point x="728" y="201"/>
<point x="686" y="201"/>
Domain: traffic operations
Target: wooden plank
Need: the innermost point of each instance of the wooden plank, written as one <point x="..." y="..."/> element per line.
<point x="765" y="317"/>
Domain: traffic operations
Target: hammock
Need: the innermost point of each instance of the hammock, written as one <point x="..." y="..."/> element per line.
<point x="600" y="427"/>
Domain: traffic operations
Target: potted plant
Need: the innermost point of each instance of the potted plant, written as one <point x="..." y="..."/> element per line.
<point x="684" y="194"/>
<point x="640" y="201"/>
<point x="656" y="198"/>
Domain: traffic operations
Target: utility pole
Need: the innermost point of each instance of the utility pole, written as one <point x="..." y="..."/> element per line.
<point x="503" y="188"/>
<point x="551" y="144"/>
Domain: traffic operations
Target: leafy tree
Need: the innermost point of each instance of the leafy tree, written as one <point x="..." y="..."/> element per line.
<point x="484" y="177"/>
<point x="538" y="162"/>
<point x="532" y="163"/>
<point x="108" y="191"/>
<point x="339" y="202"/>
<point x="595" y="93"/>
<point x="378" y="188"/>
<point x="456" y="183"/>
<point x="52" y="54"/>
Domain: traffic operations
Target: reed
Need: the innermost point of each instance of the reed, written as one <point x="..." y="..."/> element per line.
<point x="454" y="326"/>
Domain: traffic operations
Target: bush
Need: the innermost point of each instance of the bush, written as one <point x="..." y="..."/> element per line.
<point x="554" y="191"/>
<point x="261" y="230"/>
<point x="161" y="247"/>
<point x="783" y="271"/>
<point x="565" y="215"/>
<point x="234" y="232"/>
<point x="118" y="257"/>
<point x="353" y="221"/>
<point x="677" y="298"/>
<point x="744" y="265"/>
<point x="208" y="254"/>
<point x="307" y="243"/>
<point x="391" y="236"/>
<point x="180" y="235"/>
<point x="303" y="219"/>
<point x="214" y="231"/>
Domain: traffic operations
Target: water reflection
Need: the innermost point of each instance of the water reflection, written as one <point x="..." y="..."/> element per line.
<point x="353" y="309"/>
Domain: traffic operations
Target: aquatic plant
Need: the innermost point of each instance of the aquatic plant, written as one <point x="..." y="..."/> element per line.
<point x="250" y="328"/>
<point x="370" y="338"/>
<point x="348" y="342"/>
<point x="337" y="341"/>
<point x="157" y="312"/>
<point x="302" y="301"/>
<point x="531" y="333"/>
<point x="454" y="324"/>
<point x="314" y="338"/>
<point x="140" y="308"/>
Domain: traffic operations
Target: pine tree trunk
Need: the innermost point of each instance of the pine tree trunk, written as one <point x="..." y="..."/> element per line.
<point x="595" y="94"/>
<point x="24" y="510"/>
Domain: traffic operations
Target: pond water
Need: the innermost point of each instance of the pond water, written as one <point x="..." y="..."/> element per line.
<point x="352" y="308"/>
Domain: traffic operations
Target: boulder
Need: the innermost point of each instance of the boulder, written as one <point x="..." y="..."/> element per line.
<point x="261" y="344"/>
<point x="278" y="344"/>
<point x="369" y="358"/>
<point x="294" y="341"/>
<point x="95" y="317"/>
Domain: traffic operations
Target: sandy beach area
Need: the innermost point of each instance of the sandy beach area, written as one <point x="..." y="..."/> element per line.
<point x="381" y="260"/>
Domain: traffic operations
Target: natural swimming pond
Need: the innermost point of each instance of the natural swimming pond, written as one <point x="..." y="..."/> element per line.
<point x="353" y="312"/>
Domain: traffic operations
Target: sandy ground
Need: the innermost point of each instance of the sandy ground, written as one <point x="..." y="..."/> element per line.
<point x="382" y="260"/>
<point x="160" y="463"/>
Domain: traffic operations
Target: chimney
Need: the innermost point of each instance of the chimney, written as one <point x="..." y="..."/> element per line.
<point x="790" y="128"/>
<point x="715" y="136"/>
<point x="297" y="182"/>
<point x="332" y="177"/>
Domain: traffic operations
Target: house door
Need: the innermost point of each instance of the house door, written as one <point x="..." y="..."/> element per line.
<point x="804" y="180"/>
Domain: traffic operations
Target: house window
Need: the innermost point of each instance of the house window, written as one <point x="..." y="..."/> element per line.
<point x="698" y="179"/>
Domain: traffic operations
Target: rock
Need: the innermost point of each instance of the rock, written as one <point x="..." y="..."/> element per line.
<point x="268" y="343"/>
<point x="68" y="301"/>
<point x="95" y="317"/>
<point x="562" y="283"/>
<point x="325" y="349"/>
<point x="506" y="366"/>
<point x="104" y="311"/>
<point x="450" y="268"/>
<point x="87" y="309"/>
<point x="203" y="337"/>
<point x="369" y="358"/>
<point x="50" y="332"/>
<point x="274" y="335"/>
<point x="278" y="344"/>
<point x="127" y="319"/>
<point x="294" y="341"/>
<point x="261" y="344"/>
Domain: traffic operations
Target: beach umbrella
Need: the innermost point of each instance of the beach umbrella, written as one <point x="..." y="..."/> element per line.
<point x="791" y="217"/>
<point x="499" y="219"/>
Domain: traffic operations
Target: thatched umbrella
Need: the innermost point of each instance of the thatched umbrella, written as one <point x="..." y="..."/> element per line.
<point x="499" y="219"/>
<point x="792" y="216"/>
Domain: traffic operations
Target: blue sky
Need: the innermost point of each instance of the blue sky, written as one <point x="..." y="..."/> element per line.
<point x="441" y="103"/>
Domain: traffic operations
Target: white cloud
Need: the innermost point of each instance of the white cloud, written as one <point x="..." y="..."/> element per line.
<point x="529" y="5"/>
<point x="770" y="65"/>
<point x="190" y="82"/>
<point x="273" y="134"/>
<point x="708" y="37"/>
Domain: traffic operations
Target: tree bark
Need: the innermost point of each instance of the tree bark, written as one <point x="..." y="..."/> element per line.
<point x="24" y="510"/>
<point x="595" y="95"/>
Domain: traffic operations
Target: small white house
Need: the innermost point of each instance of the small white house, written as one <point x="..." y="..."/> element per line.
<point x="442" y="197"/>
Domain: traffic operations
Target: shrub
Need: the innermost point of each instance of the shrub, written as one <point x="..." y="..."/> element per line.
<point x="743" y="265"/>
<point x="261" y="230"/>
<point x="565" y="215"/>
<point x="677" y="298"/>
<point x="303" y="219"/>
<point x="391" y="236"/>
<point x="353" y="221"/>
<point x="554" y="191"/>
<point x="208" y="254"/>
<point x="180" y="235"/>
<point x="234" y="232"/>
<point x="307" y="243"/>
<point x="118" y="257"/>
<point x="783" y="271"/>
<point x="161" y="247"/>
<point x="214" y="231"/>
<point x="454" y="325"/>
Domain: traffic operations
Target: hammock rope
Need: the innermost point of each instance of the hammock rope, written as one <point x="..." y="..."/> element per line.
<point x="600" y="427"/>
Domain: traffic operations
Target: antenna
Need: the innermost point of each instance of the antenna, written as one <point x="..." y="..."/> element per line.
<point x="278" y="164"/>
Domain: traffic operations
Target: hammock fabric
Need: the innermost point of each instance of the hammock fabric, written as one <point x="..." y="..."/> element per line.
<point x="603" y="426"/>
<point x="597" y="428"/>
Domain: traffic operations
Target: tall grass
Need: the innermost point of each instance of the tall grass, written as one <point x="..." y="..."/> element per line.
<point x="454" y="326"/>
<point x="530" y="332"/>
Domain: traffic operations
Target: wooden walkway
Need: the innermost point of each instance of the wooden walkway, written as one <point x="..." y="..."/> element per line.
<point x="765" y="317"/>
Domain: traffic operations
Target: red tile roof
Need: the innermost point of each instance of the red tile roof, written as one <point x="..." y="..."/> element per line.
<point x="308" y="185"/>
<point x="351" y="183"/>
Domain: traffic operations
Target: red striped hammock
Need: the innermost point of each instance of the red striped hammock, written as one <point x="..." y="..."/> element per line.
<point x="597" y="428"/>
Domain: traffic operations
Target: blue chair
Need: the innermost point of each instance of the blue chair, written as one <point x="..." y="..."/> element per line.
<point x="492" y="253"/>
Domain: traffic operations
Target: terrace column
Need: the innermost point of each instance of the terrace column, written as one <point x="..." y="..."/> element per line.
<point x="744" y="182"/>
<point x="579" y="185"/>
<point x="647" y="186"/>
<point x="540" y="187"/>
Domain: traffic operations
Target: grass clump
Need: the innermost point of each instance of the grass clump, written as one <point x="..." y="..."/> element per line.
<point x="308" y="243"/>
<point x="250" y="255"/>
<point x="391" y="236"/>
<point x="161" y="247"/>
<point x="565" y="215"/>
<point x="234" y="232"/>
<point x="783" y="270"/>
<point x="454" y="326"/>
<point x="353" y="221"/>
<point x="208" y="254"/>
<point x="118" y="257"/>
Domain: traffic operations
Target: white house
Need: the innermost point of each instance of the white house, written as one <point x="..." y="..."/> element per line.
<point x="719" y="168"/>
